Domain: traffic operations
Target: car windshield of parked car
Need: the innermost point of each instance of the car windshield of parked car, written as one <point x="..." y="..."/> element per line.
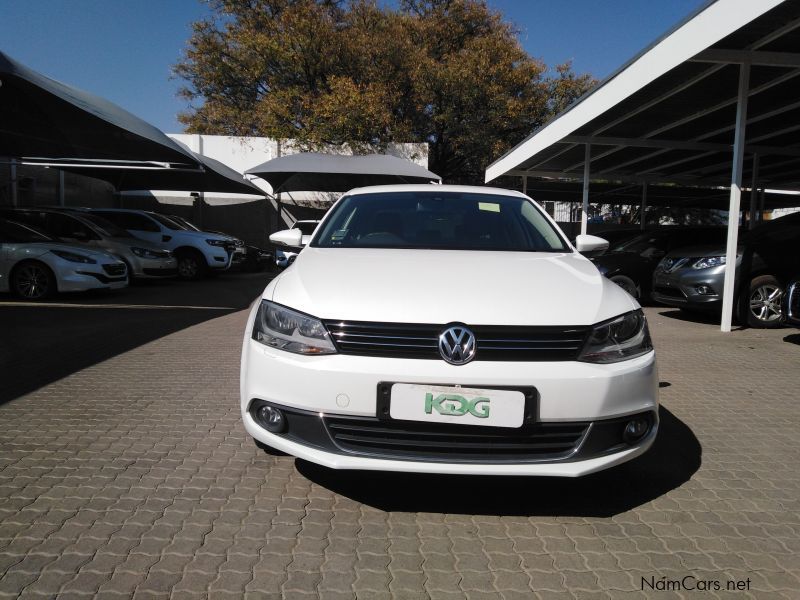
<point x="105" y="226"/>
<point x="169" y="223"/>
<point x="12" y="232"/>
<point x="641" y="243"/>
<point x="439" y="220"/>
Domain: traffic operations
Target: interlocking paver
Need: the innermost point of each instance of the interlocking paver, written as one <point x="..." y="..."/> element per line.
<point x="133" y="477"/>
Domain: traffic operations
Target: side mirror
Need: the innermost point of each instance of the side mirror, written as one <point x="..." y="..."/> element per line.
<point x="590" y="245"/>
<point x="287" y="237"/>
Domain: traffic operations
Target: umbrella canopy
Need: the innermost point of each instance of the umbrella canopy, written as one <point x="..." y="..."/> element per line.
<point x="314" y="172"/>
<point x="213" y="177"/>
<point x="43" y="118"/>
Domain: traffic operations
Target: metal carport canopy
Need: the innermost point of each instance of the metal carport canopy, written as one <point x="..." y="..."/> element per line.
<point x="722" y="84"/>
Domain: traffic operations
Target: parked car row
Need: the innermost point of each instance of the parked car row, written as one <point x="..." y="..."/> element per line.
<point x="685" y="268"/>
<point x="48" y="250"/>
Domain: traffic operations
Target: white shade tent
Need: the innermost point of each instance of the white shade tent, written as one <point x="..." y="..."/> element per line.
<point x="714" y="102"/>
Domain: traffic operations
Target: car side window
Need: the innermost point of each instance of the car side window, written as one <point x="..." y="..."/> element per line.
<point x="130" y="221"/>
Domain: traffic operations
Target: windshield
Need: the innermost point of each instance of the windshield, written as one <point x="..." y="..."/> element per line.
<point x="187" y="224"/>
<point x="168" y="223"/>
<point x="105" y="226"/>
<point x="439" y="220"/>
<point x="640" y="243"/>
<point x="11" y="231"/>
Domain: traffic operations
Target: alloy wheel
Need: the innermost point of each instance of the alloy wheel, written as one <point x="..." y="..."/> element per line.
<point x="32" y="282"/>
<point x="188" y="267"/>
<point x="765" y="303"/>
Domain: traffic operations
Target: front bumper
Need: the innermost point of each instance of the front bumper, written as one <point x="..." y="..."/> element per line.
<point x="345" y="386"/>
<point x="146" y="268"/>
<point x="683" y="287"/>
<point x="88" y="278"/>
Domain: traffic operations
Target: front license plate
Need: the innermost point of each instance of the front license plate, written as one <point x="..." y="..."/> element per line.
<point x="460" y="405"/>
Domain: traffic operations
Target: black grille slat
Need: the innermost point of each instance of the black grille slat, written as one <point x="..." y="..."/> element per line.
<point x="114" y="270"/>
<point x="414" y="340"/>
<point x="445" y="441"/>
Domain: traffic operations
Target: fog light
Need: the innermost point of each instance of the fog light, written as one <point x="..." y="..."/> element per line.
<point x="635" y="430"/>
<point x="706" y="290"/>
<point x="270" y="418"/>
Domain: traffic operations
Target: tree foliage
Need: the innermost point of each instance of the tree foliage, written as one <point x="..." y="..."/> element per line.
<point x="447" y="72"/>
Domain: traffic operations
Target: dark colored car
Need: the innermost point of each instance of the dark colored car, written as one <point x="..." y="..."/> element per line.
<point x="791" y="303"/>
<point x="692" y="278"/>
<point x="631" y="263"/>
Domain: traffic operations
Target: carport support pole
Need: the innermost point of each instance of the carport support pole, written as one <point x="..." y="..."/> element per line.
<point x="586" y="172"/>
<point x="754" y="193"/>
<point x="61" y="188"/>
<point x="642" y="219"/>
<point x="525" y="184"/>
<point x="736" y="198"/>
<point x="14" y="191"/>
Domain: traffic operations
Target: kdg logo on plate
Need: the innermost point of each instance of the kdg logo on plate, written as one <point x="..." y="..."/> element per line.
<point x="456" y="405"/>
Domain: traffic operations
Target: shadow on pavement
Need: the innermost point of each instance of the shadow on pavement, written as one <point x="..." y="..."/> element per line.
<point x="673" y="459"/>
<point x="709" y="318"/>
<point x="792" y="338"/>
<point x="41" y="343"/>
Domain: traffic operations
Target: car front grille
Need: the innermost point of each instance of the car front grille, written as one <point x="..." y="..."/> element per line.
<point x="115" y="270"/>
<point x="506" y="343"/>
<point x="437" y="441"/>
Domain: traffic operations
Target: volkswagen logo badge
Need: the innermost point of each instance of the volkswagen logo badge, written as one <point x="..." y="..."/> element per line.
<point x="457" y="345"/>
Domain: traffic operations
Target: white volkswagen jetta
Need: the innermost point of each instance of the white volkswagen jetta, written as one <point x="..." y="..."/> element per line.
<point x="448" y="329"/>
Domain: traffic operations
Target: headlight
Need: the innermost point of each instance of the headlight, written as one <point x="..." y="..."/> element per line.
<point x="74" y="257"/>
<point x="621" y="338"/>
<point x="708" y="261"/>
<point x="145" y="253"/>
<point x="286" y="329"/>
<point x="216" y="242"/>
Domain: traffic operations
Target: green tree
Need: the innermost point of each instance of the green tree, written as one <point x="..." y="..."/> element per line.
<point x="447" y="72"/>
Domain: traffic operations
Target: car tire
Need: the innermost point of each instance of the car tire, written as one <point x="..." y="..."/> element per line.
<point x="764" y="302"/>
<point x="191" y="264"/>
<point x="627" y="284"/>
<point x="33" y="280"/>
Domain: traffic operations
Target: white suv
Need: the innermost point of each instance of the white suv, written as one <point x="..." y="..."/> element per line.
<point x="197" y="251"/>
<point x="448" y="329"/>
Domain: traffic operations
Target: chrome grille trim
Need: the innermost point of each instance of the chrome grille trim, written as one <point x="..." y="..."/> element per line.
<point x="494" y="342"/>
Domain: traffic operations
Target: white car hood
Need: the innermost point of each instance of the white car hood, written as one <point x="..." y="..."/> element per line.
<point x="444" y="286"/>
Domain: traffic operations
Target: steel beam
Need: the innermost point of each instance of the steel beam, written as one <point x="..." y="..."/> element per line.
<point x="642" y="219"/>
<point x="748" y="57"/>
<point x="587" y="162"/>
<point x="729" y="285"/>
<point x="753" y="193"/>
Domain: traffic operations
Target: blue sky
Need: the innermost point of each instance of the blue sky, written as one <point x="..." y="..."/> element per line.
<point x="123" y="50"/>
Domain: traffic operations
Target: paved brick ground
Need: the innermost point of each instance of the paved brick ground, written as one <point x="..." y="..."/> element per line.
<point x="134" y="477"/>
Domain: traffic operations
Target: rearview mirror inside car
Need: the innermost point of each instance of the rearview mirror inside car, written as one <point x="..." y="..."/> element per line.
<point x="590" y="245"/>
<point x="287" y="237"/>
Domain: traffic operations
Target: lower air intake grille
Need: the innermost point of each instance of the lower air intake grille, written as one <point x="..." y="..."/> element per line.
<point x="437" y="441"/>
